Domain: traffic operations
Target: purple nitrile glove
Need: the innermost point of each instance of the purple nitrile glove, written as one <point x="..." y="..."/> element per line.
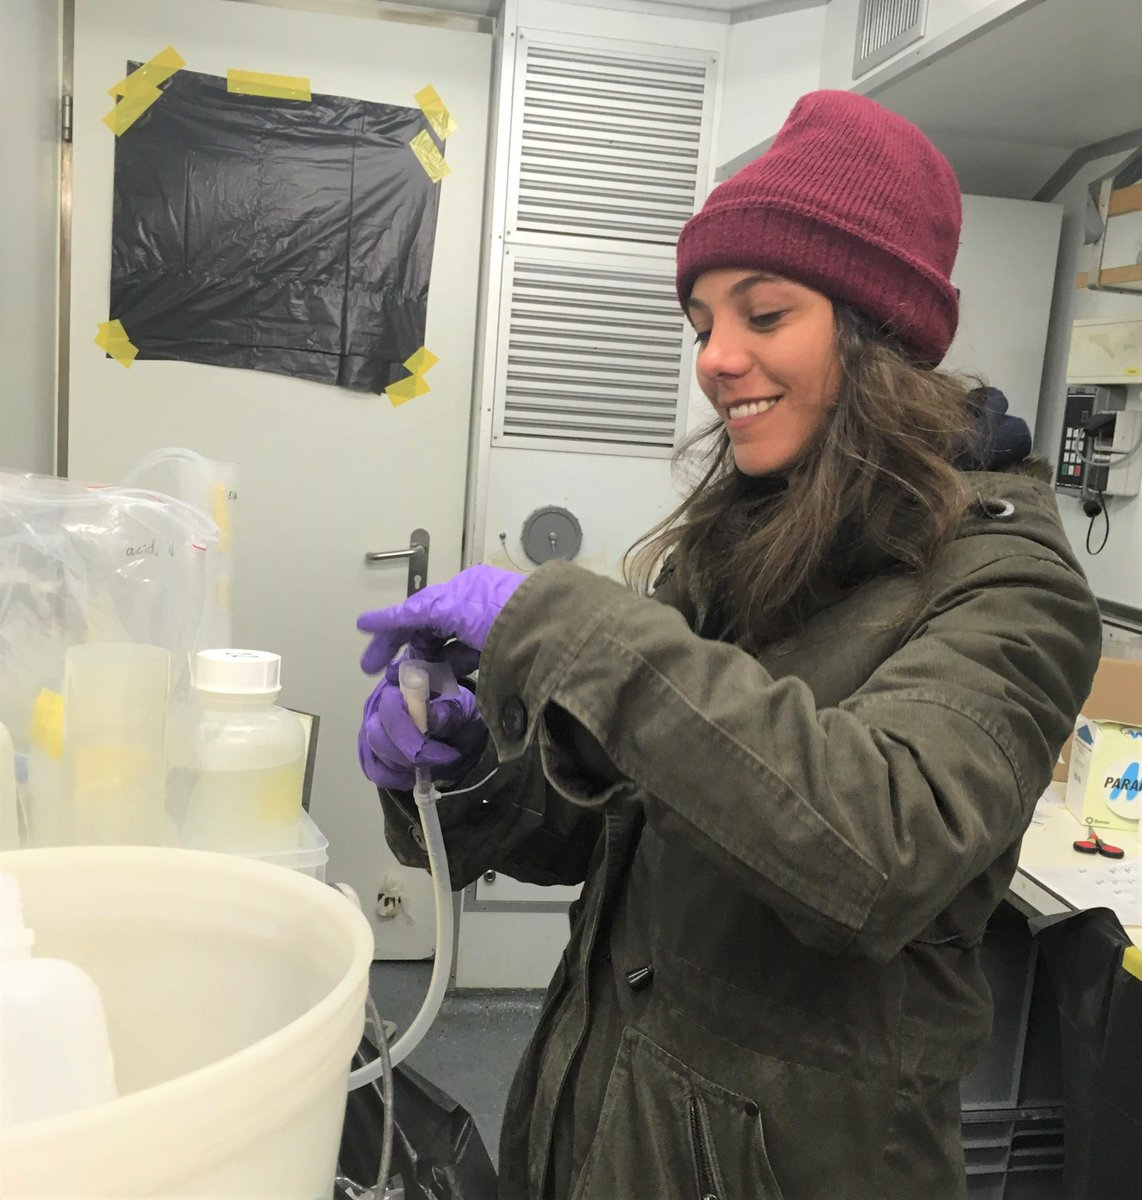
<point x="391" y="747"/>
<point x="464" y="608"/>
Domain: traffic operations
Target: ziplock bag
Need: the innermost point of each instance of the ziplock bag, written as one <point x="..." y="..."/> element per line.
<point x="211" y="487"/>
<point x="85" y="563"/>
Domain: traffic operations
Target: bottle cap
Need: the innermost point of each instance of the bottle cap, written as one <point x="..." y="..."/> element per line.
<point x="238" y="672"/>
<point x="16" y="939"/>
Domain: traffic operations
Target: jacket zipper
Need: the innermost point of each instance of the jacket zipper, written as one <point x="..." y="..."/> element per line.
<point x="702" y="1161"/>
<point x="594" y="915"/>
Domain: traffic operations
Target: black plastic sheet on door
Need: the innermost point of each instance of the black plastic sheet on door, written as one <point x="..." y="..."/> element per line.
<point x="278" y="235"/>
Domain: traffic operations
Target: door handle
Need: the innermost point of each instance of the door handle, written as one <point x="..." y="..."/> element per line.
<point x="417" y="554"/>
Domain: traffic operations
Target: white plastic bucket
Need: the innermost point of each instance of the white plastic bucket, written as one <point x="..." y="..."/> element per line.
<point x="235" y="996"/>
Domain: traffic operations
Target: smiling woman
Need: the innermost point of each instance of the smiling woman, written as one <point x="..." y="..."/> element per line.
<point x="834" y="717"/>
<point x="834" y="454"/>
<point x="768" y="362"/>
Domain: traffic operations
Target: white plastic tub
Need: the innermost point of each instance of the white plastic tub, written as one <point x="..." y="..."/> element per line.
<point x="235" y="1000"/>
<point x="308" y="857"/>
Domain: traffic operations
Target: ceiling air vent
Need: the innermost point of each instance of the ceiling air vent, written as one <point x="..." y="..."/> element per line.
<point x="591" y="355"/>
<point x="885" y="27"/>
<point x="610" y="142"/>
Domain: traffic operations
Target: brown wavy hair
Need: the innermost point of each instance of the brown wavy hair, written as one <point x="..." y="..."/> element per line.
<point x="876" y="489"/>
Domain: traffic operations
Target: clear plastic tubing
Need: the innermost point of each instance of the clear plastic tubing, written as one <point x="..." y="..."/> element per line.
<point x="414" y="686"/>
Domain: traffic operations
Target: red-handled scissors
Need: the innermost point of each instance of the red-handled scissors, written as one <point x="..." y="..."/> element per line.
<point x="1095" y="845"/>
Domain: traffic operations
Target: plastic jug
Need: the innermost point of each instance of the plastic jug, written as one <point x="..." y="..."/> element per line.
<point x="55" y="1055"/>
<point x="250" y="757"/>
<point x="113" y="777"/>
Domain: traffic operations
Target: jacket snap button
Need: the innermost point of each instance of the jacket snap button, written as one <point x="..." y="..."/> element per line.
<point x="513" y="716"/>
<point x="751" y="1109"/>
<point x="640" y="977"/>
<point x="995" y="510"/>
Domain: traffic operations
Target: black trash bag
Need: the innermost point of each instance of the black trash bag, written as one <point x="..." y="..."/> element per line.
<point x="1100" y="1019"/>
<point x="274" y="234"/>
<point x="437" y="1149"/>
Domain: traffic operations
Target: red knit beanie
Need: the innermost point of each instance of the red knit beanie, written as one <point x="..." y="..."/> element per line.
<point x="852" y="201"/>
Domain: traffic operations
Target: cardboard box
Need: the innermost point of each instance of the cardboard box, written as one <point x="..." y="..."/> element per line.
<point x="1104" y="789"/>
<point x="1115" y="695"/>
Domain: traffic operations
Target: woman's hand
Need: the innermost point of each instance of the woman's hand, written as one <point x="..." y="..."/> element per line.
<point x="391" y="747"/>
<point x="464" y="609"/>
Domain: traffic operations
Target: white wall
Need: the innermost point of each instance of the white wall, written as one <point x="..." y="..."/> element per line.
<point x="1114" y="574"/>
<point x="840" y="34"/>
<point x="29" y="223"/>
<point x="769" y="63"/>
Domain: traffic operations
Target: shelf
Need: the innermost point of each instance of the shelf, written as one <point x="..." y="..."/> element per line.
<point x="1125" y="200"/>
<point x="1114" y="276"/>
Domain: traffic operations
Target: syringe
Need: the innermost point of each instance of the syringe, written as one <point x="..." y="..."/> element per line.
<point x="415" y="687"/>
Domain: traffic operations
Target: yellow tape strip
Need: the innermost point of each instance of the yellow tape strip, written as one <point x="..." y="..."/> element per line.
<point x="221" y="514"/>
<point x="113" y="339"/>
<point x="406" y="390"/>
<point x="1132" y="961"/>
<point x="403" y="390"/>
<point x="46" y="730"/>
<point x="255" y="83"/>
<point x="423" y="360"/>
<point x="430" y="158"/>
<point x="139" y="90"/>
<point x="153" y="72"/>
<point x="434" y="109"/>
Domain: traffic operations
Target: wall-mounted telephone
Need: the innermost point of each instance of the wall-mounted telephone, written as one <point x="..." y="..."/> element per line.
<point x="1097" y="426"/>
<point x="1070" y="470"/>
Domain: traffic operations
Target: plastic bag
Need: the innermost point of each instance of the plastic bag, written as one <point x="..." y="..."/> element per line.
<point x="300" y="242"/>
<point x="1100" y="1018"/>
<point x="212" y="487"/>
<point x="92" y="564"/>
<point x="437" y="1149"/>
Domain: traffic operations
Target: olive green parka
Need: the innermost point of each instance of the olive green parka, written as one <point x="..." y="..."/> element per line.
<point x="772" y="986"/>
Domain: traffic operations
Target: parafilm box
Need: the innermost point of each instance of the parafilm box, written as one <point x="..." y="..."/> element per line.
<point x="1104" y="786"/>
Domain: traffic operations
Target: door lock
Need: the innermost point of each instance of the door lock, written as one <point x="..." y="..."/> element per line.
<point x="417" y="554"/>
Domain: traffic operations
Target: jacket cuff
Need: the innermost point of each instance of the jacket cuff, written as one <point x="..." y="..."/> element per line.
<point x="522" y="664"/>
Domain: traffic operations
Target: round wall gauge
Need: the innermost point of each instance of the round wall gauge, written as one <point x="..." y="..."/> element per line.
<point x="551" y="533"/>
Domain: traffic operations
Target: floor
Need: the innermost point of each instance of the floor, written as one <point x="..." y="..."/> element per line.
<point x="473" y="1047"/>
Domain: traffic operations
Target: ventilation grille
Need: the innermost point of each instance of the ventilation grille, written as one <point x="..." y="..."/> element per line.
<point x="594" y="356"/>
<point x="885" y="27"/>
<point x="610" y="145"/>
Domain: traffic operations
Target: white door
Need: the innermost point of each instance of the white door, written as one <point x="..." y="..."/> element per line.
<point x="326" y="474"/>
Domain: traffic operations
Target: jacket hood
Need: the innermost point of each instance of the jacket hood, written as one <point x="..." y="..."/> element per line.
<point x="999" y="439"/>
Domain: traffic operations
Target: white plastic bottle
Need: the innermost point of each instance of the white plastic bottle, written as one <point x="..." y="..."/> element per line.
<point x="55" y="1055"/>
<point x="250" y="757"/>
